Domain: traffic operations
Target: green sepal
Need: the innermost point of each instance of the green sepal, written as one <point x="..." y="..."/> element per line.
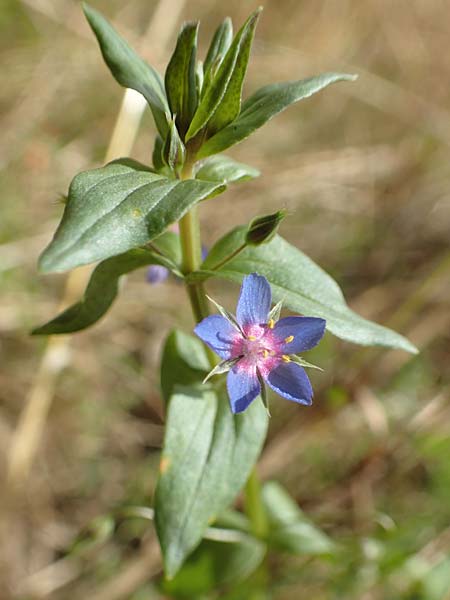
<point x="116" y="208"/>
<point x="227" y="315"/>
<point x="289" y="529"/>
<point x="303" y="363"/>
<point x="303" y="286"/>
<point x="265" y="104"/>
<point x="206" y="459"/>
<point x="223" y="367"/>
<point x="221" y="102"/>
<point x="103" y="285"/>
<point x="180" y="78"/>
<point x="128" y="68"/>
<point x="223" y="169"/>
<point x="263" y="392"/>
<point x="275" y="311"/>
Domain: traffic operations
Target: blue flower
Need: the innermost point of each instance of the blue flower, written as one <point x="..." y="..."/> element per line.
<point x="157" y="274"/>
<point x="257" y="350"/>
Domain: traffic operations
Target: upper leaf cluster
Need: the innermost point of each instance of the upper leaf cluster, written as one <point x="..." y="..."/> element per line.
<point x="197" y="107"/>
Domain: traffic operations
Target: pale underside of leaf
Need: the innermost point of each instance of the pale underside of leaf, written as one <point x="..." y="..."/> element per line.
<point x="207" y="456"/>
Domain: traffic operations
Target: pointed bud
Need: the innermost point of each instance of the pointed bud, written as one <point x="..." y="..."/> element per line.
<point x="262" y="229"/>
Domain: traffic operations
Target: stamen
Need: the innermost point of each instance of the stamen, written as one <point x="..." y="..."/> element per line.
<point x="265" y="353"/>
<point x="286" y="358"/>
<point x="289" y="339"/>
<point x="271" y="323"/>
<point x="273" y="353"/>
<point x="252" y="338"/>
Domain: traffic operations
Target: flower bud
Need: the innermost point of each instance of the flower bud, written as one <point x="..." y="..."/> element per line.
<point x="262" y="229"/>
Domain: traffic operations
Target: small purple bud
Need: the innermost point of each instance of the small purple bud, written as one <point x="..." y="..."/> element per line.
<point x="204" y="252"/>
<point x="157" y="274"/>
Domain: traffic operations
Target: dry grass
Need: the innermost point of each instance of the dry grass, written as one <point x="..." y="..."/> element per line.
<point x="363" y="169"/>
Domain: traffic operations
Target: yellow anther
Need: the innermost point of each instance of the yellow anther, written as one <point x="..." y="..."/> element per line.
<point x="286" y="358"/>
<point x="265" y="353"/>
<point x="271" y="323"/>
<point x="252" y="338"/>
<point x="289" y="339"/>
<point x="273" y="353"/>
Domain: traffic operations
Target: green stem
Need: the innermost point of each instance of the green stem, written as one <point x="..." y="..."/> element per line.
<point x="228" y="258"/>
<point x="254" y="506"/>
<point x="191" y="260"/>
<point x="191" y="249"/>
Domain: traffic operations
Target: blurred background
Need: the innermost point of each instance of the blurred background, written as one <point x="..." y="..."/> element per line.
<point x="364" y="171"/>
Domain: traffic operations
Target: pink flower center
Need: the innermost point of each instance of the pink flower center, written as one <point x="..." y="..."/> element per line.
<point x="258" y="348"/>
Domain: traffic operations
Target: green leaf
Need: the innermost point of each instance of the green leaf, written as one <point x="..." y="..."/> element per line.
<point x="128" y="68"/>
<point x="104" y="284"/>
<point x="180" y="78"/>
<point x="290" y="530"/>
<point x="223" y="169"/>
<point x="207" y="456"/>
<point x="221" y="101"/>
<point x="265" y="104"/>
<point x="116" y="208"/>
<point x="184" y="361"/>
<point x="436" y="583"/>
<point x="103" y="287"/>
<point x="302" y="286"/>
<point x="174" y="151"/>
<point x="216" y="564"/>
<point x="220" y="43"/>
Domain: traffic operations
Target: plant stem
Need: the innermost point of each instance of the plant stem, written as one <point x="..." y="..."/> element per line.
<point x="191" y="248"/>
<point x="254" y="507"/>
<point x="228" y="258"/>
<point x="191" y="260"/>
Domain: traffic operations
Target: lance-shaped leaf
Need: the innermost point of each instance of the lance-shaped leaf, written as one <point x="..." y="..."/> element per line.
<point x="221" y="101"/>
<point x="184" y="361"/>
<point x="215" y="564"/>
<point x="129" y="69"/>
<point x="223" y="169"/>
<point x="265" y="104"/>
<point x="207" y="456"/>
<point x="302" y="286"/>
<point x="289" y="529"/>
<point x="103" y="285"/>
<point x="220" y="43"/>
<point x="180" y="78"/>
<point x="116" y="208"/>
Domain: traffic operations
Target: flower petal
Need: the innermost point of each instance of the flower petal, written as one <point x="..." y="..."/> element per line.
<point x="290" y="381"/>
<point x="306" y="331"/>
<point x="218" y="334"/>
<point x="243" y="386"/>
<point x="157" y="274"/>
<point x="254" y="301"/>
